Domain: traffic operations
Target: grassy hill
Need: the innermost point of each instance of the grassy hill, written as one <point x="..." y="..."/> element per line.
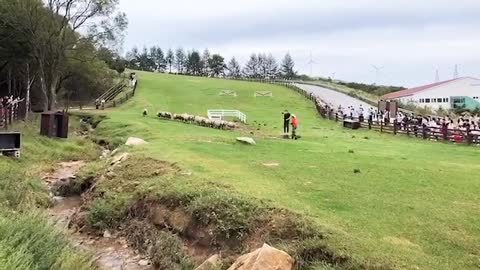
<point x="414" y="204"/>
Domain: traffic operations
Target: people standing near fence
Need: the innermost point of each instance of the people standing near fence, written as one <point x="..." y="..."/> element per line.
<point x="294" y="127"/>
<point x="286" y="121"/>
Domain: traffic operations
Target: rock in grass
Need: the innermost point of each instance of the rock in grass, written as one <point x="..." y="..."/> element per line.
<point x="132" y="141"/>
<point x="212" y="263"/>
<point x="143" y="262"/>
<point x="107" y="234"/>
<point x="119" y="159"/>
<point x="264" y="258"/>
<point x="246" y="140"/>
<point x="356" y="171"/>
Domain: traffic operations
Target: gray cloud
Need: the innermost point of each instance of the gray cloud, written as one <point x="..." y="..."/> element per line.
<point x="411" y="38"/>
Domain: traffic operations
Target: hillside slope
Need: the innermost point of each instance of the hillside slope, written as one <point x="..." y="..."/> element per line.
<point x="402" y="209"/>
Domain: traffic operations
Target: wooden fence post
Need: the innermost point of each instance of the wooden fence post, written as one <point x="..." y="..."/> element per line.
<point x="381" y="126"/>
<point x="395" y="127"/>
<point x="424" y="132"/>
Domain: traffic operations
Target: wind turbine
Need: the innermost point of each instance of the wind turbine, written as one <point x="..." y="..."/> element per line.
<point x="377" y="72"/>
<point x="332" y="76"/>
<point x="311" y="62"/>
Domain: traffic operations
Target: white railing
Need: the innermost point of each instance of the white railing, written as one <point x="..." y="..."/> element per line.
<point x="220" y="114"/>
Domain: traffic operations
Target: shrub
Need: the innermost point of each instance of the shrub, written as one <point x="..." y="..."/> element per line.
<point x="229" y="215"/>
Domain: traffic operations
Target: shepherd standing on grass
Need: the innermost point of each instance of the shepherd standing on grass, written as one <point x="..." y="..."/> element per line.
<point x="286" y="122"/>
<point x="294" y="126"/>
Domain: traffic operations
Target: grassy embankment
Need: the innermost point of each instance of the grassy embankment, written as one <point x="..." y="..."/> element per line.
<point x="27" y="240"/>
<point x="414" y="204"/>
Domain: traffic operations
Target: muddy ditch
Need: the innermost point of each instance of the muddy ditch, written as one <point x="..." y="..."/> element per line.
<point x="110" y="252"/>
<point x="179" y="230"/>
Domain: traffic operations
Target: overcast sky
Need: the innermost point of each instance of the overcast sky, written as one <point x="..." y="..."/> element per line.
<point x="410" y="39"/>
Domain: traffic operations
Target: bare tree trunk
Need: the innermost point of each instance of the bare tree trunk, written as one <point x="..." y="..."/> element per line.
<point x="52" y="101"/>
<point x="27" y="95"/>
<point x="9" y="80"/>
<point x="43" y="86"/>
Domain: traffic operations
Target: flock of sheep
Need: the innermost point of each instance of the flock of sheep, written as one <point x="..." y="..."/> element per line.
<point x="197" y="120"/>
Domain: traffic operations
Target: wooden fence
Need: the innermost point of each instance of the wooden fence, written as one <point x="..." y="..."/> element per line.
<point x="120" y="100"/>
<point x="12" y="113"/>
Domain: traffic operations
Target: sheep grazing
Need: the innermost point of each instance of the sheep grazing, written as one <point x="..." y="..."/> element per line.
<point x="231" y="125"/>
<point x="164" y="115"/>
<point x="198" y="120"/>
<point x="178" y="117"/>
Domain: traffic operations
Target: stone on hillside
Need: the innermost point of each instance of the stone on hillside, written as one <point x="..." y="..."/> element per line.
<point x="132" y="141"/>
<point x="107" y="234"/>
<point x="264" y="258"/>
<point x="143" y="262"/>
<point x="246" y="140"/>
<point x="120" y="158"/>
<point x="212" y="263"/>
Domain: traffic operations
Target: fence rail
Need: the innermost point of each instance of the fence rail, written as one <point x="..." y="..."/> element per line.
<point x="214" y="114"/>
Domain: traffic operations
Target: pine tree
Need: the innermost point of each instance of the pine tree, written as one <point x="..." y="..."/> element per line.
<point x="204" y="60"/>
<point x="234" y="70"/>
<point x="271" y="67"/>
<point x="287" y="68"/>
<point x="170" y="59"/>
<point x="180" y="60"/>
<point x="216" y="65"/>
<point x="251" y="69"/>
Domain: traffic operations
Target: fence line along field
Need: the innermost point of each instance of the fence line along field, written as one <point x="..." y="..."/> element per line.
<point x="410" y="204"/>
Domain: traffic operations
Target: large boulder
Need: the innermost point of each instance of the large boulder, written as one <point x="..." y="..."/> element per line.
<point x="213" y="263"/>
<point x="264" y="258"/>
<point x="246" y="140"/>
<point x="135" y="141"/>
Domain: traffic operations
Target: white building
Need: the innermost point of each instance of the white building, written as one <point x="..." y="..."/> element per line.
<point x="457" y="93"/>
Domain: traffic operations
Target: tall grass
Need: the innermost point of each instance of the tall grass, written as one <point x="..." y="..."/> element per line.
<point x="27" y="240"/>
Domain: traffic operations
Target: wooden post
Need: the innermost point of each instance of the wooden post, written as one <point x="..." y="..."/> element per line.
<point x="381" y="126"/>
<point x="114" y="103"/>
<point x="424" y="132"/>
<point x="395" y="127"/>
<point x="369" y="124"/>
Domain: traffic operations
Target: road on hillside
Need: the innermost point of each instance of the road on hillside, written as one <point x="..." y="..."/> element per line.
<point x="333" y="97"/>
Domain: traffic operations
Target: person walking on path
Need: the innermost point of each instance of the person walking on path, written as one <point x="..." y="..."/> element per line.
<point x="286" y="122"/>
<point x="294" y="127"/>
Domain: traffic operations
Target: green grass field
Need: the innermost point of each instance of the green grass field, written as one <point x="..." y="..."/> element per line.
<point x="415" y="204"/>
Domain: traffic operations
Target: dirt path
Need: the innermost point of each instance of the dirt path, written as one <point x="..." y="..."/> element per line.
<point x="110" y="252"/>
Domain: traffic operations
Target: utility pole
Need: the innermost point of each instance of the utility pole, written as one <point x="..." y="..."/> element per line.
<point x="437" y="77"/>
<point x="455" y="72"/>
